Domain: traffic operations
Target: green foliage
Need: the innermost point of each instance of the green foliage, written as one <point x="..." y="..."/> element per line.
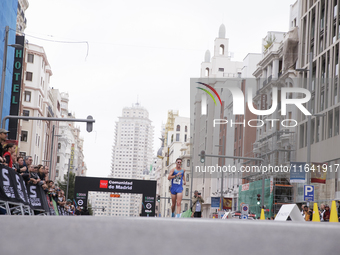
<point x="269" y="41"/>
<point x="89" y="208"/>
<point x="63" y="185"/>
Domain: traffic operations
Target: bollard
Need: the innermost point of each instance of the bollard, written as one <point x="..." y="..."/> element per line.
<point x="262" y="215"/>
<point x="334" y="213"/>
<point x="316" y="216"/>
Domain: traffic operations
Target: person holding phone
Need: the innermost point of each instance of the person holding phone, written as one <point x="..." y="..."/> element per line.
<point x="177" y="178"/>
<point x="197" y="202"/>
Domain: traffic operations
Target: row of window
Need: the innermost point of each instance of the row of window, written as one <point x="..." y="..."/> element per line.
<point x="177" y="138"/>
<point x="321" y="129"/>
<point x="178" y="128"/>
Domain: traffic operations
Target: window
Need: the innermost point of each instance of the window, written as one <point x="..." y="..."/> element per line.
<point x="302" y="134"/>
<point x="188" y="162"/>
<point x="24" y="135"/>
<point x="187" y="192"/>
<point x="27" y="96"/>
<point x="59" y="146"/>
<point x="186" y="129"/>
<point x="207" y="72"/>
<point x="30" y="58"/>
<point x="177" y="137"/>
<point x="222" y="49"/>
<point x="185" y="138"/>
<point x="178" y="128"/>
<point x="29" y="76"/>
<point x="58" y="159"/>
<point x="185" y="207"/>
<point x="187" y="178"/>
<point x="221" y="69"/>
<point x="26" y="113"/>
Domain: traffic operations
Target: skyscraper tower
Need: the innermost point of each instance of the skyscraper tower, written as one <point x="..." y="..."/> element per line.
<point x="131" y="154"/>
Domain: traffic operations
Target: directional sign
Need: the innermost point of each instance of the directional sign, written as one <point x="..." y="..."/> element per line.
<point x="308" y="193"/>
<point x="244" y="217"/>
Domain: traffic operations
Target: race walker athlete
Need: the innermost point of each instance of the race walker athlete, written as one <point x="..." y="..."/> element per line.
<point x="177" y="178"/>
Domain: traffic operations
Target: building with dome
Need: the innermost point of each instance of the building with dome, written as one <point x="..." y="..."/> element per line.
<point x="223" y="140"/>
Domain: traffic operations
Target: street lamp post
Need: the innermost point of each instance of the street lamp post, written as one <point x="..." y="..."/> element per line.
<point x="309" y="117"/>
<point x="223" y="152"/>
<point x="51" y="156"/>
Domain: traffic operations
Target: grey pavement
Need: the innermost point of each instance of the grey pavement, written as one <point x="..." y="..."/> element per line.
<point x="109" y="235"/>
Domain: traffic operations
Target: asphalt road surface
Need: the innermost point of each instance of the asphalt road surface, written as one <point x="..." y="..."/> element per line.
<point x="109" y="235"/>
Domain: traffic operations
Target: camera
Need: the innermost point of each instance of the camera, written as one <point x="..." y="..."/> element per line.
<point x="199" y="193"/>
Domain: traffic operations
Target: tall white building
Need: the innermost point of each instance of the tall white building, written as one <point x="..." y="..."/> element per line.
<point x="132" y="154"/>
<point x="34" y="135"/>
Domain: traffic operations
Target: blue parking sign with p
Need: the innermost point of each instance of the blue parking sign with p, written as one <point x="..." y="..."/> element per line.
<point x="308" y="193"/>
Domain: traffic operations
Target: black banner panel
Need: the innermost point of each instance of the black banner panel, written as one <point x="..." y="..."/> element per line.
<point x="16" y="87"/>
<point x="14" y="189"/>
<point x="147" y="188"/>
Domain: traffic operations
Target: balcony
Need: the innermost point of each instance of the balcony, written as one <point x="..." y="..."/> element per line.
<point x="270" y="78"/>
<point x="265" y="83"/>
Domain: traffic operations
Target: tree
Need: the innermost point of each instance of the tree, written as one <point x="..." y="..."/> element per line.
<point x="90" y="209"/>
<point x="71" y="184"/>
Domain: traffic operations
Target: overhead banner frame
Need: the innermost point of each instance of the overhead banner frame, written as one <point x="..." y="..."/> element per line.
<point x="130" y="186"/>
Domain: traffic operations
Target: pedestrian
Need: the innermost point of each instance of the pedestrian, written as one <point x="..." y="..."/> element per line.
<point x="302" y="210"/>
<point x="197" y="202"/>
<point x="327" y="213"/>
<point x="306" y="213"/>
<point x="177" y="178"/>
<point x="322" y="211"/>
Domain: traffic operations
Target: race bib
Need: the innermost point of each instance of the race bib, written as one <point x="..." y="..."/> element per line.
<point x="177" y="180"/>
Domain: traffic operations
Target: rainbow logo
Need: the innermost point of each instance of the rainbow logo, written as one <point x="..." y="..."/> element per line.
<point x="209" y="93"/>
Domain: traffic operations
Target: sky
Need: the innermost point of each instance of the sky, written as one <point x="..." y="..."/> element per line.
<point x="110" y="54"/>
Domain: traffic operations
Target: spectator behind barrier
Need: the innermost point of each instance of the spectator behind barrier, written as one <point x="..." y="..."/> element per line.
<point x="28" y="161"/>
<point x="49" y="188"/>
<point x="9" y="149"/>
<point x="3" y="138"/>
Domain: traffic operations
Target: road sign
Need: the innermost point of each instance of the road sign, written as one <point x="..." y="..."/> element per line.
<point x="308" y="193"/>
<point x="245" y="209"/>
<point x="244" y="217"/>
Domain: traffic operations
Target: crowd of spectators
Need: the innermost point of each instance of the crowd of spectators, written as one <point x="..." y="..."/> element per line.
<point x="36" y="175"/>
<point x="324" y="212"/>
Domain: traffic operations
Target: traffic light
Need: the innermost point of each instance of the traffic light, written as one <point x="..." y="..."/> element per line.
<point x="202" y="156"/>
<point x="89" y="125"/>
<point x="158" y="198"/>
<point x="258" y="199"/>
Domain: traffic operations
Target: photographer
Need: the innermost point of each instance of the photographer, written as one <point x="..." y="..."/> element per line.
<point x="197" y="202"/>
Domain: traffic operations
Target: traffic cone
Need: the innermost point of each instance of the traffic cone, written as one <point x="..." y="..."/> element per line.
<point x="262" y="215"/>
<point x="334" y="213"/>
<point x="316" y="216"/>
